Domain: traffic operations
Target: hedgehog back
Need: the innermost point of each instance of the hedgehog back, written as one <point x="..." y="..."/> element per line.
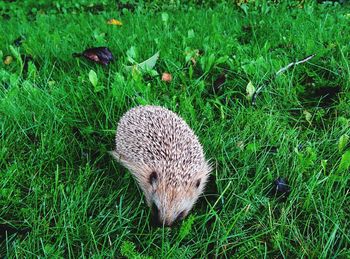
<point x="160" y="139"/>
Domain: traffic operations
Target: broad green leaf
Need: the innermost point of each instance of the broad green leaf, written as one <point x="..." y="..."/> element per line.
<point x="149" y="63"/>
<point x="250" y="89"/>
<point x="146" y="65"/>
<point x="153" y="73"/>
<point x="221" y="60"/>
<point x="93" y="78"/>
<point x="210" y="63"/>
<point x="15" y="52"/>
<point x="31" y="70"/>
<point x="245" y="8"/>
<point x="252" y="147"/>
<point x="190" y="33"/>
<point x="343" y="141"/>
<point x="131" y="53"/>
<point x="165" y="17"/>
<point x="343" y="122"/>
<point x="308" y="116"/>
<point x="344" y="162"/>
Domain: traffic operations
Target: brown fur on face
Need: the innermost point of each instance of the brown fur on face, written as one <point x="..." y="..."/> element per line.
<point x="165" y="157"/>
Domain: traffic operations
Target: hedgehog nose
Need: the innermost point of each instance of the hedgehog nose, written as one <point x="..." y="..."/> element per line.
<point x="155" y="220"/>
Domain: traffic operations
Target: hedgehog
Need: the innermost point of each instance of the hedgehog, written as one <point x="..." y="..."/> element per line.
<point x="166" y="159"/>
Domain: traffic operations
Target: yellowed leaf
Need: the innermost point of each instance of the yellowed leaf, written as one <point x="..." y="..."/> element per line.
<point x="114" y="22"/>
<point x="308" y="116"/>
<point x="8" y="60"/>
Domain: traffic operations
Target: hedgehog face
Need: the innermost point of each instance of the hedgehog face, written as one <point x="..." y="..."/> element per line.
<point x="171" y="202"/>
<point x="170" y="194"/>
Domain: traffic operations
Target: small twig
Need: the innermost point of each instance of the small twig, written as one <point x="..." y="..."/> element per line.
<point x="294" y="64"/>
<point x="267" y="82"/>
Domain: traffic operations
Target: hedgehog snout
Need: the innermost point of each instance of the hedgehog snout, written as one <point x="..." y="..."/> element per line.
<point x="155" y="219"/>
<point x="159" y="220"/>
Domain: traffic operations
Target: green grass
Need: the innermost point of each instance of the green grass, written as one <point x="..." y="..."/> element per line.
<point x="58" y="180"/>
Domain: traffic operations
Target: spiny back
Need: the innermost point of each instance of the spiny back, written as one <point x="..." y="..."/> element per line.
<point x="160" y="139"/>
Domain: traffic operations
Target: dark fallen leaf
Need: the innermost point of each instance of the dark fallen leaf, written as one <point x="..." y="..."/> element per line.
<point x="101" y="55"/>
<point x="308" y="80"/>
<point x="76" y="132"/>
<point x="270" y="149"/>
<point x="26" y="59"/>
<point x="6" y="16"/>
<point x="246" y="28"/>
<point x="280" y="189"/>
<point x="325" y="96"/>
<point x="126" y="5"/>
<point x="300" y="147"/>
<point x="6" y="85"/>
<point x="18" y="42"/>
<point x="219" y="81"/>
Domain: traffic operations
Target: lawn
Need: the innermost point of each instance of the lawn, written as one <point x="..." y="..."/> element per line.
<point x="62" y="194"/>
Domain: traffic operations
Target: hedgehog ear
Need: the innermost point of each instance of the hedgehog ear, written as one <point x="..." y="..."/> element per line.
<point x="114" y="154"/>
<point x="198" y="182"/>
<point x="153" y="178"/>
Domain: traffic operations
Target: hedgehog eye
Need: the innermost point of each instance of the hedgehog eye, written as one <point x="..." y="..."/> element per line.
<point x="153" y="177"/>
<point x="198" y="183"/>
